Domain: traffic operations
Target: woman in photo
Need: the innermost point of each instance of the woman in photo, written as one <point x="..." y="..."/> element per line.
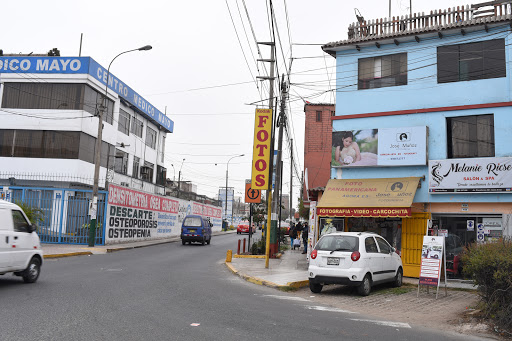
<point x="350" y="152"/>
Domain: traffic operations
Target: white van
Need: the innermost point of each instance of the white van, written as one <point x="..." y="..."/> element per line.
<point x="20" y="249"/>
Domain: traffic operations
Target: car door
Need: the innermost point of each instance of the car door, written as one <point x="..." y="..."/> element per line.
<point x="389" y="265"/>
<point x="6" y="234"/>
<point x="22" y="240"/>
<point x="374" y="258"/>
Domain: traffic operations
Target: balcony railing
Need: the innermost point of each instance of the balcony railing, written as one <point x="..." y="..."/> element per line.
<point x="437" y="19"/>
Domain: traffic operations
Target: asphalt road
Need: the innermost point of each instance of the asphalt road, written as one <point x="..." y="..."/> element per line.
<point x="174" y="292"/>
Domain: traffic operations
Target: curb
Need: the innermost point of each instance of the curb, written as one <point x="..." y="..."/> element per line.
<point x="259" y="281"/>
<point x="71" y="254"/>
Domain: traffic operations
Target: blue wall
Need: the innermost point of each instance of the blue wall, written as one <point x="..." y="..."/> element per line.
<point x="421" y="92"/>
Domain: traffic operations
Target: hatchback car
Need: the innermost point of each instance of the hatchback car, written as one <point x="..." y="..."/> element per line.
<point x="360" y="259"/>
<point x="20" y="249"/>
<point x="242" y="228"/>
<point x="196" y="229"/>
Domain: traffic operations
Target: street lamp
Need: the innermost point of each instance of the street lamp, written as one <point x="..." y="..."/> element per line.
<point x="174" y="173"/>
<point x="97" y="154"/>
<point x="179" y="177"/>
<point x="226" y="205"/>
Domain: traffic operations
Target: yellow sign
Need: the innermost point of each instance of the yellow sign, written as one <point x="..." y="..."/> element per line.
<point x="386" y="192"/>
<point x="261" y="149"/>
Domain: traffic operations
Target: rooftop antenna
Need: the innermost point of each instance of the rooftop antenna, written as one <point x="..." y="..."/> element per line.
<point x="359" y="16"/>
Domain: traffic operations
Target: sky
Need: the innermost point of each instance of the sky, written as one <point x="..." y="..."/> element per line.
<point x="202" y="68"/>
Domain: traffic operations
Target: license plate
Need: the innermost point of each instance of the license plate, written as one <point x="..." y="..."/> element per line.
<point x="191" y="231"/>
<point x="333" y="261"/>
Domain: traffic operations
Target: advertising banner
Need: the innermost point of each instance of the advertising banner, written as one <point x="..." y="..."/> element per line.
<point x="227" y="211"/>
<point x="313" y="229"/>
<point x="135" y="215"/>
<point x="406" y="146"/>
<point x="431" y="260"/>
<point x="261" y="149"/>
<point x="482" y="175"/>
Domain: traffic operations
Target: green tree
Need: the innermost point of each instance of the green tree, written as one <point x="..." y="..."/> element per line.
<point x="34" y="214"/>
<point x="54" y="52"/>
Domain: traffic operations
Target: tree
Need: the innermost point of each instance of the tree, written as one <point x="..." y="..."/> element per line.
<point x="54" y="52"/>
<point x="303" y="211"/>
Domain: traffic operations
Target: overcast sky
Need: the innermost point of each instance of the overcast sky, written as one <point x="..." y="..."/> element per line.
<point x="195" y="46"/>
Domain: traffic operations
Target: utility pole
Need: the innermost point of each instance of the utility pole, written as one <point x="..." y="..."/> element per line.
<point x="281" y="121"/>
<point x="291" y="178"/>
<point x="269" y="189"/>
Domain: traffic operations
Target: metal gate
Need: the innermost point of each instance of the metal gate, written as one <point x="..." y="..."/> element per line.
<point x="413" y="230"/>
<point x="64" y="213"/>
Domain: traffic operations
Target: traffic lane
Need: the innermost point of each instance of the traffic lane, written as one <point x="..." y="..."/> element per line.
<point x="161" y="291"/>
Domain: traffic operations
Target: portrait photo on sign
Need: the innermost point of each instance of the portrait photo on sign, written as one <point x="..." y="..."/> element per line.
<point x="355" y="148"/>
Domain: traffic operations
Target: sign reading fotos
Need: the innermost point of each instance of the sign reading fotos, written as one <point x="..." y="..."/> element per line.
<point x="406" y="146"/>
<point x="485" y="175"/>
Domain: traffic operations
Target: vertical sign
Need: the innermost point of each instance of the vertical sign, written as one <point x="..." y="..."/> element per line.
<point x="261" y="149"/>
<point x="480" y="233"/>
<point x="313" y="230"/>
<point x="251" y="195"/>
<point x="432" y="258"/>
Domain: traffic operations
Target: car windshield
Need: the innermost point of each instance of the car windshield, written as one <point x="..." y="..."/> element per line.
<point x="338" y="243"/>
<point x="192" y="222"/>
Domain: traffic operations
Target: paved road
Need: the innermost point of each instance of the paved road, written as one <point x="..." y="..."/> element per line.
<point x="160" y="292"/>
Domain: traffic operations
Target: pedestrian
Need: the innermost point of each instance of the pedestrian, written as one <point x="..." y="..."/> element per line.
<point x="293" y="235"/>
<point x="298" y="229"/>
<point x="305" y="232"/>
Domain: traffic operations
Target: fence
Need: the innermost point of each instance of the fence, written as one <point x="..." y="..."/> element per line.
<point x="64" y="213"/>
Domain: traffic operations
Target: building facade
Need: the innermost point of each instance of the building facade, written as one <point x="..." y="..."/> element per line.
<point x="424" y="103"/>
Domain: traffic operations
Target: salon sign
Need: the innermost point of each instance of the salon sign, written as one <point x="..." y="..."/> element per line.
<point x="482" y="175"/>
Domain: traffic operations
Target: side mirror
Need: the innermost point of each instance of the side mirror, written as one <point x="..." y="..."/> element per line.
<point x="31" y="228"/>
<point x="393" y="250"/>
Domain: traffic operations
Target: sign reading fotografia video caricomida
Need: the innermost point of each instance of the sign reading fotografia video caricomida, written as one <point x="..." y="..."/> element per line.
<point x="405" y="146"/>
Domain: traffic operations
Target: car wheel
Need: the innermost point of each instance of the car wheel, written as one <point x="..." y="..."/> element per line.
<point x="365" y="287"/>
<point x="209" y="241"/>
<point x="202" y="241"/>
<point x="315" y="287"/>
<point x="32" y="271"/>
<point x="398" y="278"/>
<point x="183" y="242"/>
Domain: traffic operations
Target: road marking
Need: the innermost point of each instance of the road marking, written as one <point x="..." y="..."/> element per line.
<point x="290" y="298"/>
<point x="195" y="324"/>
<point x="336" y="310"/>
<point x="386" y="323"/>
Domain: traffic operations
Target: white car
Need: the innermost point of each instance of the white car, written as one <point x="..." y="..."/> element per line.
<point x="20" y="249"/>
<point x="360" y="259"/>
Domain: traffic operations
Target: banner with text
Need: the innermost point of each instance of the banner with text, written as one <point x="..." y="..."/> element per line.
<point x="484" y="175"/>
<point x="135" y="215"/>
<point x="431" y="260"/>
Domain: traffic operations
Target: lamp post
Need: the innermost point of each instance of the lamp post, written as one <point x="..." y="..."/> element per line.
<point x="174" y="173"/>
<point x="226" y="204"/>
<point x="179" y="178"/>
<point x="97" y="153"/>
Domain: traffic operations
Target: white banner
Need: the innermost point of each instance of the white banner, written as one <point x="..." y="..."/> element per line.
<point x="485" y="175"/>
<point x="134" y="215"/>
<point x="431" y="258"/>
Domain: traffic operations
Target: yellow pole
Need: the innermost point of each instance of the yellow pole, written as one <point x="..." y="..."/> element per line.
<point x="269" y="224"/>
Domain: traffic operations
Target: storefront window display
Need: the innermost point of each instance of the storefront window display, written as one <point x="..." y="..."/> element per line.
<point x="330" y="225"/>
<point x="460" y="231"/>
<point x="389" y="228"/>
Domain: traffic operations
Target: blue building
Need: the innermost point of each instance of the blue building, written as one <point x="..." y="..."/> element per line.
<point x="424" y="104"/>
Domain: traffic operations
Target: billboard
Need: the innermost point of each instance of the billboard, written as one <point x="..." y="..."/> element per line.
<point x="230" y="197"/>
<point x="405" y="146"/>
<point x="480" y="175"/>
<point x="261" y="149"/>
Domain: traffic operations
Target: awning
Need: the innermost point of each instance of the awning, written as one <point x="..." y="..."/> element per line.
<point x="387" y="197"/>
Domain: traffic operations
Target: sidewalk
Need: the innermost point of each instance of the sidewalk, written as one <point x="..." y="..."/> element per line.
<point x="291" y="270"/>
<point x="67" y="250"/>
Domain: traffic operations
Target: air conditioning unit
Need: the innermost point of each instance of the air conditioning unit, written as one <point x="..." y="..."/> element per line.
<point x="125" y="184"/>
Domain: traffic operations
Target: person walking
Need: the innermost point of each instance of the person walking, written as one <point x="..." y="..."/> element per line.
<point x="292" y="235"/>
<point x="305" y="232"/>
<point x="298" y="229"/>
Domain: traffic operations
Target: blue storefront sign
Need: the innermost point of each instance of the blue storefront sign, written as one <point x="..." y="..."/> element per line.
<point x="85" y="65"/>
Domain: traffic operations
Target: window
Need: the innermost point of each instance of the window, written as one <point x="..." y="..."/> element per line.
<point x="319" y="116"/>
<point x="370" y="245"/>
<point x="151" y="138"/>
<point x="136" y="166"/>
<point x="383" y="246"/>
<point x="6" y="142"/>
<point x="470" y="136"/>
<point x="136" y="127"/>
<point x="161" y="174"/>
<point x="384" y="71"/>
<point x="466" y="62"/>
<point x="121" y="163"/>
<point x="20" y="223"/>
<point x="331" y="243"/>
<point x="58" y="96"/>
<point x="192" y="222"/>
<point x="146" y="172"/>
<point x="333" y="113"/>
<point x="124" y="122"/>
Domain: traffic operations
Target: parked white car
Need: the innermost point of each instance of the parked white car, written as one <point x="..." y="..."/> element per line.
<point x="20" y="249"/>
<point x="360" y="259"/>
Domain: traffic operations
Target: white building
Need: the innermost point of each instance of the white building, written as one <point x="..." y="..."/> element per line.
<point x="48" y="110"/>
